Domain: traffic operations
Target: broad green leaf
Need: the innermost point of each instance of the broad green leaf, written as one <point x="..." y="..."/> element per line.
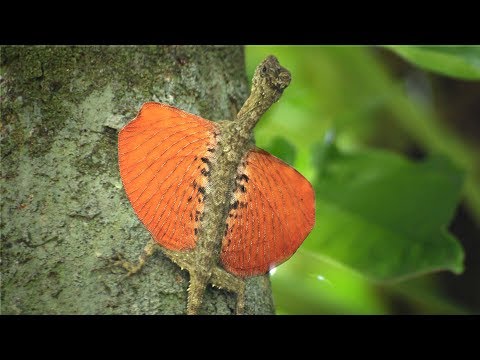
<point x="311" y="284"/>
<point x="307" y="284"/>
<point x="457" y="61"/>
<point x="385" y="216"/>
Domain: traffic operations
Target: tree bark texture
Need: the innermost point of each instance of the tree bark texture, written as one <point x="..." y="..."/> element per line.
<point x="64" y="210"/>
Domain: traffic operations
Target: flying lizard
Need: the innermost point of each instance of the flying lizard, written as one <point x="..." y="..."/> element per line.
<point x="214" y="203"/>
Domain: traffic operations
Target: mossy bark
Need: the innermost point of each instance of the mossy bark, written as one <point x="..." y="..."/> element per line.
<point x="63" y="207"/>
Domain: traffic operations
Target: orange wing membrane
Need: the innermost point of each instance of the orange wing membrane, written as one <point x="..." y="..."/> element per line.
<point x="163" y="157"/>
<point x="272" y="212"/>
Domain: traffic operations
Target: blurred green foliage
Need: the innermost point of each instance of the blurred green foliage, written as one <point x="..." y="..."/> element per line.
<point x="380" y="217"/>
<point x="457" y="61"/>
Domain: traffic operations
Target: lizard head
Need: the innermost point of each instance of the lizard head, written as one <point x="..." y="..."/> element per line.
<point x="270" y="79"/>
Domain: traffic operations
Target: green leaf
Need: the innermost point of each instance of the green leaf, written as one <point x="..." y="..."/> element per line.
<point x="385" y="216"/>
<point x="457" y="61"/>
<point x="307" y="284"/>
<point x="310" y="284"/>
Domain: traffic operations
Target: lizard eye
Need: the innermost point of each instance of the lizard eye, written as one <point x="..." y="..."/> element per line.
<point x="264" y="69"/>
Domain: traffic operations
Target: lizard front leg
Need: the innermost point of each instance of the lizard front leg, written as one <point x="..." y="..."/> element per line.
<point x="133" y="268"/>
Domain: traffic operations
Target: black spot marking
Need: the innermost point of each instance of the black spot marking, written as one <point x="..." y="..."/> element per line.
<point x="189" y="199"/>
<point x="194" y="184"/>
<point x="197" y="212"/>
<point x="230" y="214"/>
<point x="201" y="190"/>
<point x="205" y="172"/>
<point x="244" y="177"/>
<point x="199" y="199"/>
<point x="211" y="150"/>
<point x="196" y="217"/>
<point x="242" y="189"/>
<point x="195" y="231"/>
<point x="243" y="204"/>
<point x="205" y="160"/>
<point x="234" y="205"/>
<point x="191" y="216"/>
<point x="195" y="158"/>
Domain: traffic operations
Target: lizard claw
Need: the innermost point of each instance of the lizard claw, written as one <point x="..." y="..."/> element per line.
<point x="118" y="261"/>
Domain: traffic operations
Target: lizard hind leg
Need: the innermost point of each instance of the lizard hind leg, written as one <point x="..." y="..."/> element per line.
<point x="198" y="281"/>
<point x="223" y="279"/>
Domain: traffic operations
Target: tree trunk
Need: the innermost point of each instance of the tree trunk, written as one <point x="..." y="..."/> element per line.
<point x="64" y="210"/>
